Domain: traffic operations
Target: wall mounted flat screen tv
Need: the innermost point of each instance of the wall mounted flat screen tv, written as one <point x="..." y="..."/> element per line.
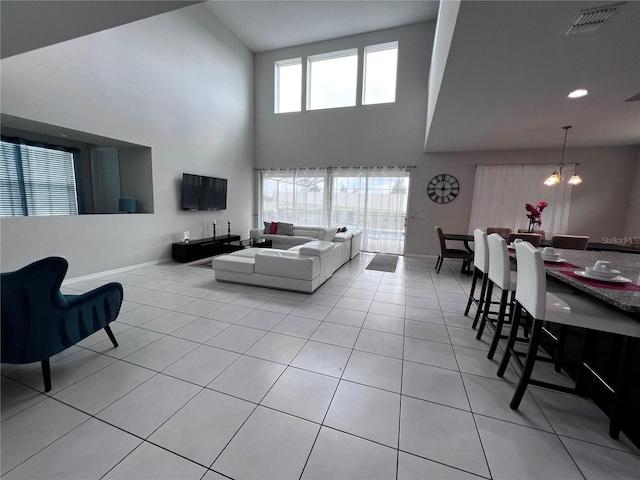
<point x="203" y="193"/>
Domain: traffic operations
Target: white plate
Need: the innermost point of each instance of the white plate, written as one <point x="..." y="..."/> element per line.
<point x="582" y="273"/>
<point x="555" y="260"/>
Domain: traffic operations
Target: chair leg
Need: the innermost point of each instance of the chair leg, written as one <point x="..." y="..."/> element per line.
<point x="46" y="374"/>
<point x="485" y="310"/>
<point x="476" y="274"/>
<point x="501" y="316"/>
<point x="111" y="336"/>
<point x="532" y="353"/>
<point x="515" y="323"/>
<point x="481" y="300"/>
<point x="560" y="348"/>
<point x="439" y="263"/>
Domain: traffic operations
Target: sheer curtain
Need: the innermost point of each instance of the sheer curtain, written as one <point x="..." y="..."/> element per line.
<point x="374" y="200"/>
<point x="501" y="192"/>
<point x="371" y="199"/>
<point x="296" y="195"/>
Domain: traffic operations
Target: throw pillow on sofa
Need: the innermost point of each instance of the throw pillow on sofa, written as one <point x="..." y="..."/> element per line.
<point x="285" y="228"/>
<point x="274" y="227"/>
<point x="327" y="234"/>
<point x="267" y="227"/>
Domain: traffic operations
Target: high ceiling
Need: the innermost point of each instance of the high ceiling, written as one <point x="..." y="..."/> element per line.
<point x="506" y="79"/>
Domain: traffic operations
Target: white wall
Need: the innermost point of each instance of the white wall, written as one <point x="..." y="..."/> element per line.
<point x="179" y="83"/>
<point x="374" y="135"/>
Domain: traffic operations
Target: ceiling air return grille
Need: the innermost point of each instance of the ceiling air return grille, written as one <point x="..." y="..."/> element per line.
<point x="590" y="20"/>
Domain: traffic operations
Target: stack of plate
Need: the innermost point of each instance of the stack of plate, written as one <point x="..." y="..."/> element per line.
<point x="550" y="257"/>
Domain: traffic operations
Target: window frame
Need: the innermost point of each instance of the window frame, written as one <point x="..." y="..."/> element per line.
<point x="277" y="65"/>
<point x="349" y="52"/>
<point x="380" y="47"/>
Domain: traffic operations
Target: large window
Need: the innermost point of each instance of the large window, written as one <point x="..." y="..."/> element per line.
<point x="373" y="200"/>
<point x="332" y="79"/>
<point x="36" y="179"/>
<point x="288" y="83"/>
<point x="380" y="67"/>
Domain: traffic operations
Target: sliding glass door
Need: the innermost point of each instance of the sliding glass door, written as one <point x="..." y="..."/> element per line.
<point x="373" y="200"/>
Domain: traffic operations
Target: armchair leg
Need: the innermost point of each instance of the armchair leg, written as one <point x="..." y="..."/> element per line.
<point x="111" y="336"/>
<point x="46" y="374"/>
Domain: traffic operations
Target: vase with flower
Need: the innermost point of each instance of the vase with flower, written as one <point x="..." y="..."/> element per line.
<point x="534" y="214"/>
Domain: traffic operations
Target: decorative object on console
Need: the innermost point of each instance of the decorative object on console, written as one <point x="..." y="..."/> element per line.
<point x="229" y="227"/>
<point x="556" y="176"/>
<point x="534" y="215"/>
<point x="214" y="228"/>
<point x="128" y="205"/>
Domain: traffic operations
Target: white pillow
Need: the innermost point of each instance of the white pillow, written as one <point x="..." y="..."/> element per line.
<point x="327" y="234"/>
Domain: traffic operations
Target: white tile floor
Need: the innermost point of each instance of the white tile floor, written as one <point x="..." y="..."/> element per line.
<point x="376" y="375"/>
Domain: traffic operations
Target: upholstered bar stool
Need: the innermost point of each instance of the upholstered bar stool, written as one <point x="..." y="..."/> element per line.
<point x="503" y="232"/>
<point x="533" y="238"/>
<point x="480" y="271"/>
<point x="571" y="242"/>
<point x="501" y="276"/>
<point x="582" y="311"/>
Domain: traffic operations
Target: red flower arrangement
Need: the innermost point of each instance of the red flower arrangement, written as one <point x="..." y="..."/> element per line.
<point x="535" y="214"/>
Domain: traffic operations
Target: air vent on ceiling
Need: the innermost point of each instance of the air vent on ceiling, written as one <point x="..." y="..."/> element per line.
<point x="633" y="98"/>
<point x="590" y="20"/>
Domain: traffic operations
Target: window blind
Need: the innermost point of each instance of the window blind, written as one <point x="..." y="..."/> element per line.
<point x="36" y="179"/>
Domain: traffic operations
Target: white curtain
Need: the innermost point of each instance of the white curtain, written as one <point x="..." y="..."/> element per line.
<point x="371" y="199"/>
<point x="374" y="200"/>
<point x="501" y="192"/>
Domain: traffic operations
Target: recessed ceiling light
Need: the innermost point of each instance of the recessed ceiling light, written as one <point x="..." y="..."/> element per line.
<point x="581" y="92"/>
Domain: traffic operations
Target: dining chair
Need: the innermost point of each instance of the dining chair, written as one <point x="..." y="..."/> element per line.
<point x="571" y="242"/>
<point x="38" y="321"/>
<point x="503" y="232"/>
<point x="480" y="271"/>
<point x="445" y="252"/>
<point x="538" y="306"/>
<point x="533" y="238"/>
<point x="539" y="232"/>
<point x="501" y="276"/>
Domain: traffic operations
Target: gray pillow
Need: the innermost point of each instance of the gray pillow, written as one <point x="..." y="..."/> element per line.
<point x="267" y="227"/>
<point x="285" y="228"/>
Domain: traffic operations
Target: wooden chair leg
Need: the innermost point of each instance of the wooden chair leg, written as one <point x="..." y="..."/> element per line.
<point x="476" y="274"/>
<point x="562" y="334"/>
<point x="515" y="323"/>
<point x="482" y="300"/>
<point x="111" y="336"/>
<point x="46" y="374"/>
<point x="501" y="316"/>
<point x="485" y="310"/>
<point x="532" y="353"/>
<point x="439" y="263"/>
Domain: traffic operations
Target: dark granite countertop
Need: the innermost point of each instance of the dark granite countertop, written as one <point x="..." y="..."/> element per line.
<point x="627" y="263"/>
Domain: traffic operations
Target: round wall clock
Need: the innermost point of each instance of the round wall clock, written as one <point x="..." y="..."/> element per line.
<point x="443" y="188"/>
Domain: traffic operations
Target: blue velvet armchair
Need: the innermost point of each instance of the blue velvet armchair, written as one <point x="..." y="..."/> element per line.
<point x="38" y="321"/>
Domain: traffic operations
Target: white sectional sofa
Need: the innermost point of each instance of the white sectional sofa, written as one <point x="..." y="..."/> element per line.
<point x="302" y="235"/>
<point x="301" y="268"/>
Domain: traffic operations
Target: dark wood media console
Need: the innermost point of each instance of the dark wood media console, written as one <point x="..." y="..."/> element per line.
<point x="206" y="247"/>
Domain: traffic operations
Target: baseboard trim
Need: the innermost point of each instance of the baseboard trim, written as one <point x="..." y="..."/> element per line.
<point x="91" y="276"/>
